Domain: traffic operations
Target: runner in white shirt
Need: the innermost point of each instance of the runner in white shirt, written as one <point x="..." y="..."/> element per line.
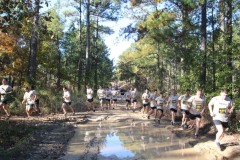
<point x="67" y="101"/>
<point x="197" y="106"/>
<point x="134" y="99"/>
<point x="161" y="104"/>
<point x="128" y="98"/>
<point x="145" y="101"/>
<point x="183" y="103"/>
<point x="90" y="99"/>
<point x="108" y="97"/>
<point x="101" y="96"/>
<point x="28" y="101"/>
<point x="114" y="97"/>
<point x="153" y="104"/>
<point x="172" y="104"/>
<point x="5" y="90"/>
<point x="220" y="107"/>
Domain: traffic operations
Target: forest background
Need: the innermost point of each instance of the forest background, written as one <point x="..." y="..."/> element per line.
<point x="179" y="44"/>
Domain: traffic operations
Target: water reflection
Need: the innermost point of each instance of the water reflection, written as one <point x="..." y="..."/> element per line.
<point x="114" y="147"/>
<point x="135" y="140"/>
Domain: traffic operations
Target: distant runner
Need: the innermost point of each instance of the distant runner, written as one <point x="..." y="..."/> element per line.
<point x="161" y="104"/>
<point x="183" y="103"/>
<point x="5" y="90"/>
<point x="67" y="101"/>
<point x="172" y="104"/>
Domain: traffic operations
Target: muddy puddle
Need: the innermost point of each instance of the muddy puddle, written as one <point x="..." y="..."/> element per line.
<point x="127" y="141"/>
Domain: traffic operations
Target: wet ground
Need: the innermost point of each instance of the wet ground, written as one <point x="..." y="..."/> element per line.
<point x="124" y="135"/>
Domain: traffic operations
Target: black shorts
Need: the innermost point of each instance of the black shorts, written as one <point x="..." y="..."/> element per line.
<point x="185" y="111"/>
<point x="67" y="103"/>
<point x="101" y="99"/>
<point x="107" y="99"/>
<point x="4" y="101"/>
<point x="153" y="107"/>
<point x="128" y="101"/>
<point x="122" y="93"/>
<point x="37" y="101"/>
<point x="133" y="100"/>
<point x="145" y="104"/>
<point x="90" y="100"/>
<point x="173" y="110"/>
<point x="194" y="116"/>
<point x="115" y="100"/>
<point x="218" y="122"/>
<point x="160" y="110"/>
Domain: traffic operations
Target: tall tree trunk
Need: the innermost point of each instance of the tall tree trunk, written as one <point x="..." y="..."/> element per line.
<point x="96" y="58"/>
<point x="34" y="43"/>
<point x="229" y="33"/>
<point x="222" y="15"/>
<point x="80" y="48"/>
<point x="203" y="44"/>
<point x="87" y="75"/>
<point x="59" y="64"/>
<point x="213" y="52"/>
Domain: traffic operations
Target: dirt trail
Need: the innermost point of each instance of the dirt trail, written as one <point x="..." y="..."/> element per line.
<point x="51" y="141"/>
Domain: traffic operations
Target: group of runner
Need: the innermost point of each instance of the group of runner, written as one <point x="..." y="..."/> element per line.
<point x="191" y="107"/>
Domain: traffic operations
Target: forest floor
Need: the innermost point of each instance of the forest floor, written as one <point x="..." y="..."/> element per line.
<point x="50" y="134"/>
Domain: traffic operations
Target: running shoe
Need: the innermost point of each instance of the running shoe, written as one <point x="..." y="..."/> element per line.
<point x="196" y="135"/>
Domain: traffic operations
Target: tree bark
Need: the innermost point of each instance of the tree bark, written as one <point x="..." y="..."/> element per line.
<point x="87" y="75"/>
<point x="203" y="45"/>
<point x="34" y="43"/>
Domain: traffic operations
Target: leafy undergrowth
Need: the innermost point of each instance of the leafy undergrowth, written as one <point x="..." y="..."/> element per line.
<point x="37" y="139"/>
<point x="14" y="135"/>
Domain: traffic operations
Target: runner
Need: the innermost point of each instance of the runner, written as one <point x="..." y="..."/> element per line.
<point x="172" y="104"/>
<point x="90" y="99"/>
<point x="36" y="104"/>
<point x="145" y="102"/>
<point x="153" y="104"/>
<point x="161" y="102"/>
<point x="114" y="97"/>
<point x="67" y="101"/>
<point x="197" y="106"/>
<point x="5" y="90"/>
<point x="101" y="96"/>
<point x="108" y="97"/>
<point x="183" y="103"/>
<point x="29" y="108"/>
<point x="30" y="99"/>
<point x="128" y="98"/>
<point x="220" y="107"/>
<point x="122" y="92"/>
<point x="134" y="99"/>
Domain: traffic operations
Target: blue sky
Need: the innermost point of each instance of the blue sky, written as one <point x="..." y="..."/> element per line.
<point x="116" y="44"/>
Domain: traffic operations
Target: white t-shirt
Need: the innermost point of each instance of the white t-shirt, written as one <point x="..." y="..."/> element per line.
<point x="220" y="108"/>
<point x="67" y="96"/>
<point x="4" y="89"/>
<point x="30" y="98"/>
<point x="173" y="101"/>
<point x="89" y="93"/>
<point x="128" y="95"/>
<point x="160" y="102"/>
<point x="145" y="98"/>
<point x="197" y="104"/>
<point x="114" y="94"/>
<point x="108" y="94"/>
<point x="134" y="94"/>
<point x="101" y="93"/>
<point x="184" y="101"/>
<point x="152" y="98"/>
